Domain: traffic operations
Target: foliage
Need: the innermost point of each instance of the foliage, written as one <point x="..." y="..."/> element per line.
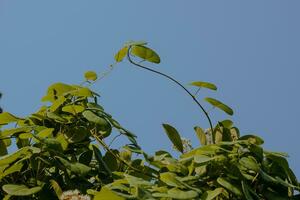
<point x="63" y="153"/>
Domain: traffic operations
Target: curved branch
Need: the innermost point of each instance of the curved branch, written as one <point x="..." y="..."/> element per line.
<point x="173" y="80"/>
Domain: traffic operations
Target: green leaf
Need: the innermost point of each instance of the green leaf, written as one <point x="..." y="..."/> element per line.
<point x="73" y="109"/>
<point x="252" y="139"/>
<point x="6" y="118"/>
<point x="90" y="76"/>
<point x="25" y="151"/>
<point x="170" y="179"/>
<point x="9" y="132"/>
<point x="145" y="53"/>
<point x="107" y="194"/>
<point x="86" y="157"/>
<point x="56" y="90"/>
<point x="92" y="117"/>
<point x="75" y="167"/>
<point x="57" y="189"/>
<point x="57" y="103"/>
<point x="176" y="193"/>
<point x="249" y="163"/>
<point x="204" y="84"/>
<point x="201" y="135"/>
<point x="229" y="186"/>
<point x="77" y="134"/>
<point x="20" y="190"/>
<point x="111" y="161"/>
<point x="56" y="117"/>
<point x="134" y="43"/>
<point x="3" y="149"/>
<point x="210" y="195"/>
<point x="220" y="105"/>
<point x="174" y="137"/>
<point x="99" y="158"/>
<point x="62" y="140"/>
<point x="121" y="54"/>
<point x="16" y="167"/>
<point x="245" y="188"/>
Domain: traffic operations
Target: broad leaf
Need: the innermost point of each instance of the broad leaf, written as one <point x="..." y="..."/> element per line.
<point x="174" y="137"/>
<point x="252" y="139"/>
<point x="220" y="105"/>
<point x="75" y="167"/>
<point x="210" y="195"/>
<point x="204" y="84"/>
<point x="107" y="194"/>
<point x="73" y="109"/>
<point x="25" y="151"/>
<point x="20" y="190"/>
<point x="229" y="186"/>
<point x="121" y="54"/>
<point x="145" y="53"/>
<point x="90" y="76"/>
<point x="201" y="135"/>
<point x="6" y="118"/>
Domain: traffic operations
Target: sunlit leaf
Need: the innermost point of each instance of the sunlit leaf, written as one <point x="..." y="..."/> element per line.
<point x="90" y="76"/>
<point x="6" y="118"/>
<point x="212" y="194"/>
<point x="145" y="53"/>
<point x="170" y="179"/>
<point x="252" y="139"/>
<point x="204" y="84"/>
<point x="25" y="151"/>
<point x="73" y="109"/>
<point x="107" y="194"/>
<point x="121" y="54"/>
<point x="133" y="43"/>
<point x="57" y="189"/>
<point x="220" y="105"/>
<point x="16" y="167"/>
<point x="176" y="193"/>
<point x="174" y="137"/>
<point x="201" y="135"/>
<point x="56" y="90"/>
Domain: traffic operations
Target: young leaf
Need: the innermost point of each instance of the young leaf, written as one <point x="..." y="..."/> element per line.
<point x="210" y="195"/>
<point x="106" y="193"/>
<point x="121" y="54"/>
<point x="174" y="137"/>
<point x="229" y="186"/>
<point x="20" y="190"/>
<point x="73" y="109"/>
<point x="6" y="118"/>
<point x="200" y="134"/>
<point x="204" y="84"/>
<point x="145" y="53"/>
<point x="57" y="189"/>
<point x="90" y="76"/>
<point x="134" y="43"/>
<point x="219" y="105"/>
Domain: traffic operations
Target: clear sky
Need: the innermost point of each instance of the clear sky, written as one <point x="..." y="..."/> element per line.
<point x="249" y="49"/>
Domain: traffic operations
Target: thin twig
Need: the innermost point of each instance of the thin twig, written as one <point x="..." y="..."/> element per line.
<point x="175" y="81"/>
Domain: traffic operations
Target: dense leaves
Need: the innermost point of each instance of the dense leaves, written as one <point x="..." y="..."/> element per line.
<point x="62" y="153"/>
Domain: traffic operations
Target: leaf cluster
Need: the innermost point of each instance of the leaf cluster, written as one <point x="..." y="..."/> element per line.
<point x="64" y="146"/>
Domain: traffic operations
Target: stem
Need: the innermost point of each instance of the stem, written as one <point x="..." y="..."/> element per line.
<point x="176" y="82"/>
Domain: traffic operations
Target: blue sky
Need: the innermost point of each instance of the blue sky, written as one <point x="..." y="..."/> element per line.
<point x="249" y="49"/>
